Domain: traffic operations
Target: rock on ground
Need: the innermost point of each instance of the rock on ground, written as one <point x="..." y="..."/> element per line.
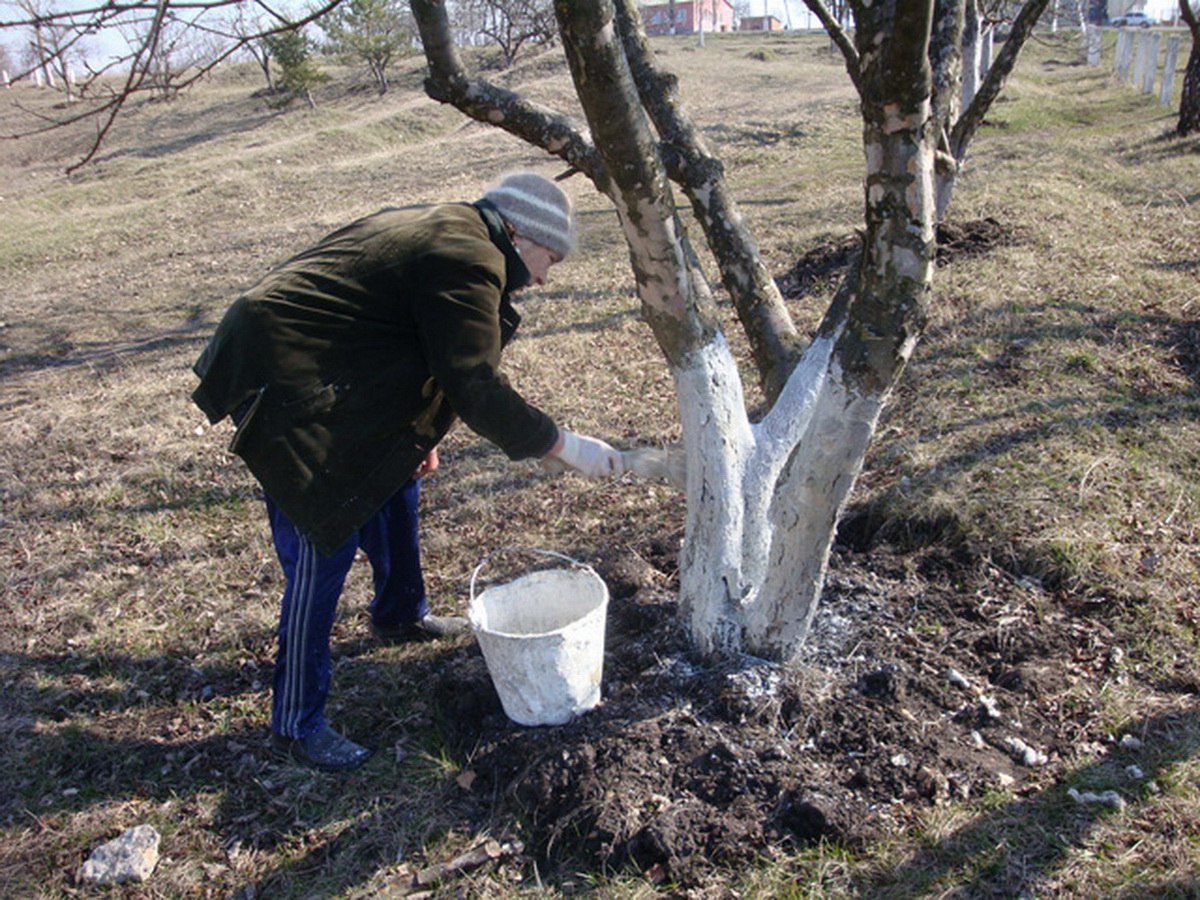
<point x="130" y="857"/>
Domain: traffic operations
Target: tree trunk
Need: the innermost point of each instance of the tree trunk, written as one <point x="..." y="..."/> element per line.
<point x="763" y="499"/>
<point x="964" y="129"/>
<point x="972" y="44"/>
<point x="1189" y="101"/>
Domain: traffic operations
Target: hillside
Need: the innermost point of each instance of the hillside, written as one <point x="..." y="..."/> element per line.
<point x="1017" y="571"/>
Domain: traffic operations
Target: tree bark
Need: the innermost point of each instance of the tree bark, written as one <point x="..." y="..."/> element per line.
<point x="1189" y="100"/>
<point x="448" y="82"/>
<point x="774" y="342"/>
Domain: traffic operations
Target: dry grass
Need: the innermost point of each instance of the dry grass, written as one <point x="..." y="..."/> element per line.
<point x="1049" y="418"/>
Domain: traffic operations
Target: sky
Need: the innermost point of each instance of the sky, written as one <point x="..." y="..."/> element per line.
<point x="791" y="12"/>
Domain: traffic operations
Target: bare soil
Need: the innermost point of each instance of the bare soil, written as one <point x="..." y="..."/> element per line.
<point x="922" y="671"/>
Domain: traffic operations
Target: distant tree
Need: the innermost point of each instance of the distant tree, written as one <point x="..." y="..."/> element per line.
<point x="53" y="49"/>
<point x="147" y="25"/>
<point x="169" y="48"/>
<point x="512" y="24"/>
<point x="1189" y="102"/>
<point x="298" y="72"/>
<point x="374" y="31"/>
<point x="248" y="31"/>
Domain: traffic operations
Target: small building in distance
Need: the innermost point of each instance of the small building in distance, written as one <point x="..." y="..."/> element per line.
<point x="760" y="23"/>
<point x="690" y="15"/>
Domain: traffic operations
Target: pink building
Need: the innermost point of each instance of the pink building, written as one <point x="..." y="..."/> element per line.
<point x="760" y="23"/>
<point x="713" y="15"/>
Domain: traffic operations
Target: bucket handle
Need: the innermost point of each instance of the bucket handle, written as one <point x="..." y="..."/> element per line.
<point x="553" y="553"/>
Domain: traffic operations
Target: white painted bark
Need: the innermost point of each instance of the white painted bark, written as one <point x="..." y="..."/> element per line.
<point x="972" y="51"/>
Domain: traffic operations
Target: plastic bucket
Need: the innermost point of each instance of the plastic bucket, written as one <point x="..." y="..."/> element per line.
<point x="542" y="637"/>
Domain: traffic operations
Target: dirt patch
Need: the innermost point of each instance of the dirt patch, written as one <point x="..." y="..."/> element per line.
<point x="823" y="266"/>
<point x="924" y="681"/>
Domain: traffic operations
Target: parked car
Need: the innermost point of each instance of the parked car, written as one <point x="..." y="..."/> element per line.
<point x="1132" y="20"/>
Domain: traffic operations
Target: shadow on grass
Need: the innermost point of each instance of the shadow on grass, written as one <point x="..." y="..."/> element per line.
<point x="90" y="733"/>
<point x="172" y="736"/>
<point x="100" y="355"/>
<point x="1014" y="849"/>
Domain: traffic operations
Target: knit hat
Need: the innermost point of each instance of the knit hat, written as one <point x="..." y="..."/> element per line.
<point x="536" y="208"/>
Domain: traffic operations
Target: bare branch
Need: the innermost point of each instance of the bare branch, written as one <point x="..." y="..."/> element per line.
<point x="964" y="129"/>
<point x="760" y="307"/>
<point x="540" y="126"/>
<point x="838" y="35"/>
<point x="153" y="16"/>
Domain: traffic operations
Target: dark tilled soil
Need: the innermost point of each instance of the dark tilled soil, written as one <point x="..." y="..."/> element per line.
<point x="929" y="676"/>
<point x="823" y="266"/>
<point x="921" y="674"/>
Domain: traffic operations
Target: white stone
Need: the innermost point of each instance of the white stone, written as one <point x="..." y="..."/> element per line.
<point x="130" y="857"/>
<point x="1025" y="754"/>
<point x="1110" y="799"/>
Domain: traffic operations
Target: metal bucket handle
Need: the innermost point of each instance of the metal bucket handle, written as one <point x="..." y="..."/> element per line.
<point x="553" y="553"/>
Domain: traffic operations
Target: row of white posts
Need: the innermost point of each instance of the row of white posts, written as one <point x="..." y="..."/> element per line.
<point x="1137" y="60"/>
<point x="39" y="77"/>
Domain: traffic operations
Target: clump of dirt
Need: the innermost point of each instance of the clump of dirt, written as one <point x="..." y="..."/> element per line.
<point x="823" y="266"/>
<point x="918" y="678"/>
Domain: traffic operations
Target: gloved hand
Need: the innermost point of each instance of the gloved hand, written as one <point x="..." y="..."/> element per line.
<point x="588" y="456"/>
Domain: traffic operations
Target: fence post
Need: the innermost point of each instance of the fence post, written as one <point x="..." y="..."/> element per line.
<point x="1168" y="79"/>
<point x="1139" y="59"/>
<point x="1124" y="54"/>
<point x="1150" y="42"/>
<point x="1094" y="36"/>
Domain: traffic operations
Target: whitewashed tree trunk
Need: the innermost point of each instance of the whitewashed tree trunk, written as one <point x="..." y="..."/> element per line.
<point x="763" y="499"/>
<point x="972" y="51"/>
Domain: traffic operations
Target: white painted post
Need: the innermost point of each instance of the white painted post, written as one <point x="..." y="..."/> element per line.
<point x="1151" y="41"/>
<point x="1168" y="78"/>
<point x="1094" y="36"/>
<point x="1139" y="60"/>
<point x="7" y="80"/>
<point x="38" y="78"/>
<point x="1124" y="54"/>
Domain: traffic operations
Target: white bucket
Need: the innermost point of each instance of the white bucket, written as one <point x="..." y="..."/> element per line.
<point x="542" y="637"/>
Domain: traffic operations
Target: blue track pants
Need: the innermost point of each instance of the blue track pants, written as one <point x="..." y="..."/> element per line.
<point x="313" y="584"/>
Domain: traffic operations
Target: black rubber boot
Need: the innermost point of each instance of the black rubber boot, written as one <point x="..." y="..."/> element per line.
<point x="425" y="629"/>
<point x="325" y="750"/>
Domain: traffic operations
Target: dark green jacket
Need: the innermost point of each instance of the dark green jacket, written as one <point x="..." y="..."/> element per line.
<point x="348" y="363"/>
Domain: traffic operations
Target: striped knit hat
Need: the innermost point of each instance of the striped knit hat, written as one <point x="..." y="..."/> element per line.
<point x="536" y="208"/>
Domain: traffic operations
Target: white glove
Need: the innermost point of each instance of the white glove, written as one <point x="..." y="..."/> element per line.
<point x="588" y="456"/>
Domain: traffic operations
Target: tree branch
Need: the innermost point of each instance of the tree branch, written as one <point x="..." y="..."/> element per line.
<point x="540" y="126"/>
<point x="965" y="128"/>
<point x="774" y="341"/>
<point x="838" y="35"/>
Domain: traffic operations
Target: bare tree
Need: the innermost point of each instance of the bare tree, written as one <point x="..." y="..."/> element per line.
<point x="1189" y="101"/>
<point x="763" y="496"/>
<point x="108" y="87"/>
<point x="512" y="24"/>
<point x="373" y="31"/>
<point x="247" y="28"/>
<point x="53" y="51"/>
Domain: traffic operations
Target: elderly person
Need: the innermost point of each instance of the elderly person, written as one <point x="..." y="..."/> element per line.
<point x="342" y="369"/>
